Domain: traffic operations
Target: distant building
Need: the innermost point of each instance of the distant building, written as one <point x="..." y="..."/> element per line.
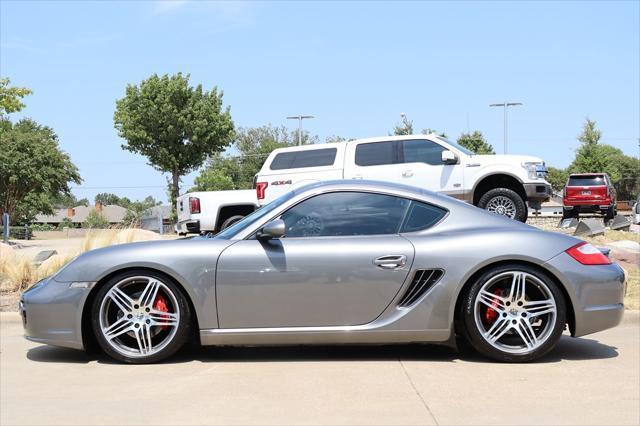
<point x="114" y="214"/>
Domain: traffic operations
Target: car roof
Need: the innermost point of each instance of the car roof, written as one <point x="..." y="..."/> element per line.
<point x="588" y="174"/>
<point x="431" y="136"/>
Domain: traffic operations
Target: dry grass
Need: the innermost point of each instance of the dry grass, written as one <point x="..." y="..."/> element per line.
<point x="18" y="274"/>
<point x="632" y="298"/>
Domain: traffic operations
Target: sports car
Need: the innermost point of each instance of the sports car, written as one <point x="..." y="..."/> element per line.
<point x="343" y="262"/>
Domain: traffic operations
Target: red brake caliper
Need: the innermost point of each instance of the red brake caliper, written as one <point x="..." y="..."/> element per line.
<point x="161" y="305"/>
<point x="491" y="314"/>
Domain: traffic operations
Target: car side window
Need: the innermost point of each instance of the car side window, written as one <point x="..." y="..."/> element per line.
<point x="422" y="151"/>
<point x="376" y="153"/>
<point x="304" y="158"/>
<point x="422" y="216"/>
<point x="345" y="214"/>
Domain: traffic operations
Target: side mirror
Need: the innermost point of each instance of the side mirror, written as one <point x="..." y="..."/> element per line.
<point x="273" y="229"/>
<point x="449" y="157"/>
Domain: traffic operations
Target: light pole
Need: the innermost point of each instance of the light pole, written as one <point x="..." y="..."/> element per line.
<point x="505" y="104"/>
<point x="299" y="118"/>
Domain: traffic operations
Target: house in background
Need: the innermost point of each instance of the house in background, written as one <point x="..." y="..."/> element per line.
<point x="114" y="214"/>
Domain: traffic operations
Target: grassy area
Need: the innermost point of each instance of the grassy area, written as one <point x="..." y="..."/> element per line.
<point x="18" y="274"/>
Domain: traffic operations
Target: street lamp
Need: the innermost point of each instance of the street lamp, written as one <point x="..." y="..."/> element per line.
<point x="505" y="104"/>
<point x="299" y="118"/>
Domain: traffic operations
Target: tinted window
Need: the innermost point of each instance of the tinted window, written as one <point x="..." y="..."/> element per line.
<point x="422" y="216"/>
<point x="588" y="180"/>
<point x="345" y="213"/>
<point x="376" y="153"/>
<point x="422" y="151"/>
<point x="306" y="158"/>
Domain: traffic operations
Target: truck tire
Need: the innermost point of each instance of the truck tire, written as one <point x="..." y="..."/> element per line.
<point x="610" y="213"/>
<point x="230" y="221"/>
<point x="505" y="202"/>
<point x="569" y="213"/>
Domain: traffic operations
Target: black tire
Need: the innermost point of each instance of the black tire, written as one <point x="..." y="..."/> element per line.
<point x="230" y="221"/>
<point x="184" y="327"/>
<point x="610" y="213"/>
<point x="569" y="213"/>
<point x="518" y="202"/>
<point x="474" y="335"/>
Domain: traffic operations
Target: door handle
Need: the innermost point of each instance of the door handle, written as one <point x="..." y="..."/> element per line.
<point x="357" y="177"/>
<point x="407" y="173"/>
<point x="391" y="261"/>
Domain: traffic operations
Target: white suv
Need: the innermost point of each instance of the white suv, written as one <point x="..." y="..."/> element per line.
<point x="502" y="184"/>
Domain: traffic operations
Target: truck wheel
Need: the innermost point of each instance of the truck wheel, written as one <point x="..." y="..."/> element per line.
<point x="610" y="213"/>
<point x="504" y="202"/>
<point x="569" y="213"/>
<point x="230" y="221"/>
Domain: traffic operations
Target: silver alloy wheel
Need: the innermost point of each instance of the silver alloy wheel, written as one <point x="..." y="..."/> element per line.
<point x="525" y="312"/>
<point x="502" y="205"/>
<point x="130" y="321"/>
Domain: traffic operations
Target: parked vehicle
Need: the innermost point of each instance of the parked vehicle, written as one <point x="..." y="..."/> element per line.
<point x="212" y="211"/>
<point x="337" y="262"/>
<point x="589" y="193"/>
<point x="636" y="212"/>
<point x="501" y="184"/>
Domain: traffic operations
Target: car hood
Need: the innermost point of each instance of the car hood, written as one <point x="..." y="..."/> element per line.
<point x="166" y="256"/>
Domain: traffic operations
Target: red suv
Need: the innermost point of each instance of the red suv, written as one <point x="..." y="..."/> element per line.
<point x="589" y="192"/>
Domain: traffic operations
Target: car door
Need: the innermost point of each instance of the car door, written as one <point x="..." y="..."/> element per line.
<point x="340" y="263"/>
<point x="423" y="167"/>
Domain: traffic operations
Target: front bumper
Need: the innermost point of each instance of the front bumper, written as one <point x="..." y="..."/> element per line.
<point x="51" y="313"/>
<point x="537" y="192"/>
<point x="596" y="293"/>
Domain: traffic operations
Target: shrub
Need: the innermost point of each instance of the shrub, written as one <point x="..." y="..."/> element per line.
<point x="95" y="220"/>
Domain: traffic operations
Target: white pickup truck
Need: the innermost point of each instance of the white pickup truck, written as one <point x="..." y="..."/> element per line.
<point x="503" y="184"/>
<point x="212" y="211"/>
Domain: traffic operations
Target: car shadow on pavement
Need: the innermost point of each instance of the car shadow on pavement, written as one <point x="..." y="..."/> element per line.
<point x="573" y="349"/>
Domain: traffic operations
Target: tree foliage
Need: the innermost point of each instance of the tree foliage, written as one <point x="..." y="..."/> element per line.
<point x="476" y="143"/>
<point x="109" y="199"/>
<point x="557" y="178"/>
<point x="405" y="127"/>
<point x="34" y="169"/>
<point x="11" y="97"/>
<point x="176" y="126"/>
<point x="95" y="220"/>
<point x="253" y="146"/>
<point x="137" y="209"/>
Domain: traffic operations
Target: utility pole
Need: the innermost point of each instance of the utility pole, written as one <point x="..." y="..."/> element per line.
<point x="505" y="104"/>
<point x="299" y="118"/>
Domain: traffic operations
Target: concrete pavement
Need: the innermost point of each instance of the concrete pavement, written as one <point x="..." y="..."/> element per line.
<point x="591" y="380"/>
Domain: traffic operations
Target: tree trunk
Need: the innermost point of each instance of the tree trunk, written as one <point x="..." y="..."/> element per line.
<point x="175" y="191"/>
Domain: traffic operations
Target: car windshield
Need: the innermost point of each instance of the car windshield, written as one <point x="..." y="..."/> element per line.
<point x="228" y="233"/>
<point x="456" y="146"/>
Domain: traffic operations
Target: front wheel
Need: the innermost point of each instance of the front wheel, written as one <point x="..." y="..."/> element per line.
<point x="505" y="202"/>
<point x="514" y="313"/>
<point x="140" y="317"/>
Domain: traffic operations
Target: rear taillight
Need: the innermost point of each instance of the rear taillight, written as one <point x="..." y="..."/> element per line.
<point x="587" y="254"/>
<point x="194" y="205"/>
<point x="261" y="187"/>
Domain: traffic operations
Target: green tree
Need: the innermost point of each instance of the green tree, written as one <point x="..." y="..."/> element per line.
<point x="10" y="97"/>
<point x="95" y="220"/>
<point x="253" y="146"/>
<point x="137" y="209"/>
<point x="107" y="199"/>
<point x="595" y="157"/>
<point x="176" y="126"/>
<point x="557" y="178"/>
<point x="34" y="169"/>
<point x="475" y="142"/>
<point x="68" y="200"/>
<point x="404" y="128"/>
<point x="429" y="131"/>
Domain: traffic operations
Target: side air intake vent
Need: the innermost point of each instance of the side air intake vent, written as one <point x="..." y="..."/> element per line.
<point x="423" y="280"/>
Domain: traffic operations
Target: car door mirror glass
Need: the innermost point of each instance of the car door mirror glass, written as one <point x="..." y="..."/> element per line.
<point x="273" y="229"/>
<point x="449" y="157"/>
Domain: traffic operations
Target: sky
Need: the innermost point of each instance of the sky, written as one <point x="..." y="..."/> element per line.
<point x="355" y="66"/>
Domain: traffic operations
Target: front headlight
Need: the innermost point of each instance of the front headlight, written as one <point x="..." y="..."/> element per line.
<point x="535" y="170"/>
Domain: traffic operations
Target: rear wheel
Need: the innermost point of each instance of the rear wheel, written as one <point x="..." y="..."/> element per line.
<point x="569" y="213"/>
<point x="505" y="202"/>
<point x="140" y="317"/>
<point x="610" y="213"/>
<point x="514" y="313"/>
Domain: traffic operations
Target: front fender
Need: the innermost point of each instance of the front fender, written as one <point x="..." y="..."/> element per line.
<point x="191" y="263"/>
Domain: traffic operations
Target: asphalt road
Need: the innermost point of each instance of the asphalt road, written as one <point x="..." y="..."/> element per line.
<point x="591" y="380"/>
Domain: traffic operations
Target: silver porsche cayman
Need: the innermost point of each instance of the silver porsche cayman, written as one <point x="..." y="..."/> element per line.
<point x="335" y="263"/>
